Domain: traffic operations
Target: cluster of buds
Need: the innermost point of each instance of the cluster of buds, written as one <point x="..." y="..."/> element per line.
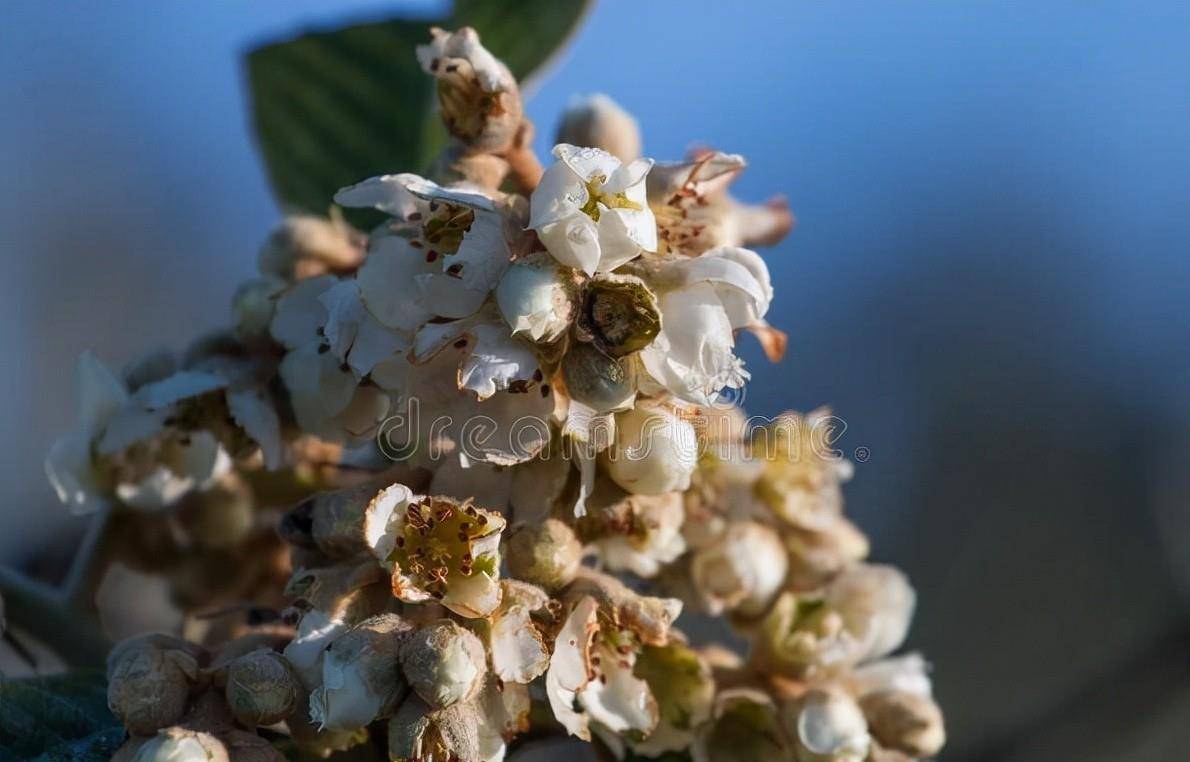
<point x="546" y="361"/>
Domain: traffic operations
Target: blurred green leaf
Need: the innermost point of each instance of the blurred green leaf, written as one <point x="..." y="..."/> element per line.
<point x="333" y="108"/>
<point x="63" y="717"/>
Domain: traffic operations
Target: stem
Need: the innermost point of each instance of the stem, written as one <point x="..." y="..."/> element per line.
<point x="45" y="613"/>
<point x="523" y="164"/>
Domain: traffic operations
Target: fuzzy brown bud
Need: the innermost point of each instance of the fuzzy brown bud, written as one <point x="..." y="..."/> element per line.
<point x="261" y="688"/>
<point x="547" y="554"/>
<point x="444" y="663"/>
<point x="149" y="680"/>
<point x="905" y="722"/>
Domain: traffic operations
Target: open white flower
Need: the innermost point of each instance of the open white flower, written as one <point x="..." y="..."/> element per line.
<point x="640" y="533"/>
<point x="133" y="445"/>
<point x="536" y="298"/>
<point x="591" y="678"/>
<point x="704" y="300"/>
<point x="591" y="212"/>
<point x="456" y="250"/>
<point x="437" y="548"/>
<point x="335" y="344"/>
<point x="695" y="213"/>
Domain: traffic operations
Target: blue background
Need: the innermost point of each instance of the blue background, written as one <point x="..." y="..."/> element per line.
<point x="989" y="282"/>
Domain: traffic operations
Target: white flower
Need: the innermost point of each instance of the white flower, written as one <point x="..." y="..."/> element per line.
<point x="517" y="648"/>
<point x="125" y="446"/>
<point x="456" y="252"/>
<point x="472" y="392"/>
<point x="335" y="344"/>
<point x="597" y="121"/>
<point x="704" y="301"/>
<point x="695" y="213"/>
<point x="437" y="548"/>
<point x="591" y="212"/>
<point x="655" y="451"/>
<point x="742" y="571"/>
<point x="536" y="298"/>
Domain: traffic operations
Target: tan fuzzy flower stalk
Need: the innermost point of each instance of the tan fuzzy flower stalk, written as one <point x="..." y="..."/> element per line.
<point x="496" y="425"/>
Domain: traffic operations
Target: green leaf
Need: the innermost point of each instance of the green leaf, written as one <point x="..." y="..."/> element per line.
<point x="333" y="108"/>
<point x="64" y="717"/>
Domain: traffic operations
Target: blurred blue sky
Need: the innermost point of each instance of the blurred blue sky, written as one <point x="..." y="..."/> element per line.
<point x="989" y="279"/>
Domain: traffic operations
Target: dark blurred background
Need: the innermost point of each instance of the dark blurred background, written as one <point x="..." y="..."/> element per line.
<point x="989" y="281"/>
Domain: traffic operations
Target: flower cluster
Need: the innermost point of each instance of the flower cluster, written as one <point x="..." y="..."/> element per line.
<point x="543" y="349"/>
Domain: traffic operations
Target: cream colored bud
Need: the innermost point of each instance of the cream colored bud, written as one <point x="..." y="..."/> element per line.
<point x="537" y="299"/>
<point x="253" y="305"/>
<point x="149" y="680"/>
<point x="905" y="722"/>
<point x="182" y="745"/>
<point x="457" y="164"/>
<point x="599" y="122"/>
<point x="337" y="520"/>
<point x="444" y="663"/>
<point x="361" y="677"/>
<point x="547" y="554"/>
<point x="597" y="379"/>
<point x="620" y="314"/>
<point x="828" y="726"/>
<point x="815" y="557"/>
<point x="655" y="451"/>
<point x="742" y="571"/>
<point x="305" y="246"/>
<point x="261" y="688"/>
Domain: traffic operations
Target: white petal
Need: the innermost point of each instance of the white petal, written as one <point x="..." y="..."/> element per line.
<point x="180" y="386"/>
<point x="518" y="652"/>
<point x="100" y="393"/>
<point x="69" y="470"/>
<point x="490" y="360"/>
<point x="258" y="418"/>
<point x="588" y="163"/>
<point x="569" y="668"/>
<point x="387" y="193"/>
<point x="299" y="314"/>
<point x="559" y="195"/>
<point x="473" y="596"/>
<point x="693" y="354"/>
<point x="624" y="702"/>
<point x="130" y="425"/>
<point x="832" y="724"/>
<point x="616" y="244"/>
<point x="388" y="282"/>
<point x="573" y="241"/>
<point x="384" y="520"/>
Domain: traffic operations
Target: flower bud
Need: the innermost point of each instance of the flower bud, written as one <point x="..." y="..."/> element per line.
<point x="253" y="305"/>
<point x="599" y="122"/>
<point x="478" y="98"/>
<point x="743" y="728"/>
<point x="742" y="571"/>
<point x="655" y="451"/>
<point x="420" y="732"/>
<point x="829" y="727"/>
<point x="182" y="745"/>
<point x="262" y="688"/>
<point x="905" y="722"/>
<point x="620" y="314"/>
<point x="305" y="246"/>
<point x="149" y="679"/>
<point x="537" y="299"/>
<point x="817" y="556"/>
<point x="444" y="663"/>
<point x="220" y="516"/>
<point x="596" y="379"/>
<point x="361" y="680"/>
<point x="547" y="554"/>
